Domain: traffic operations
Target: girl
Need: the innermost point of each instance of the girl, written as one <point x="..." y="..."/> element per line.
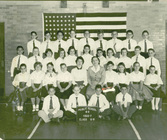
<point x="64" y="84"/>
<point x="125" y="59"/>
<point x="20" y="83"/>
<point x="103" y="60"/>
<point x="49" y="79"/>
<point x="95" y="75"/>
<point x="154" y="82"/>
<point x="138" y="91"/>
<point x="110" y="82"/>
<point x="48" y="59"/>
<point x="36" y="79"/>
<point x="70" y="59"/>
<point x="60" y="60"/>
<point x="87" y="57"/>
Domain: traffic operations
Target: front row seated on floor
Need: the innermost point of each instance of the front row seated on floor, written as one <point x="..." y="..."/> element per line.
<point x="51" y="106"/>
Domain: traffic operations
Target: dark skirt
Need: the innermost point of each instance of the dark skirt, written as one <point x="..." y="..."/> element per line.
<point x="145" y="54"/>
<point x="111" y="94"/>
<point x="32" y="94"/>
<point x="16" y="71"/>
<point x="157" y="93"/>
<point x="69" y="68"/>
<point x="23" y="94"/>
<point x="131" y="54"/>
<point x="83" y="90"/>
<point x="66" y="94"/>
<point x="128" y="70"/>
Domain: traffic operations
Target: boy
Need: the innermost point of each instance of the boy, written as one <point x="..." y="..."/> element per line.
<point x="123" y="107"/>
<point x="51" y="107"/>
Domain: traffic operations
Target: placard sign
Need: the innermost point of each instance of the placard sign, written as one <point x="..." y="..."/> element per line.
<point x="87" y="113"/>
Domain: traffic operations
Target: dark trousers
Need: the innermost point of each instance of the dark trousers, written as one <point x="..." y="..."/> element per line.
<point x="131" y="110"/>
<point x="70" y="115"/>
<point x="105" y="113"/>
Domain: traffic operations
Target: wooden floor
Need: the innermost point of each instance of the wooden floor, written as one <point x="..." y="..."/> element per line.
<point x="148" y="124"/>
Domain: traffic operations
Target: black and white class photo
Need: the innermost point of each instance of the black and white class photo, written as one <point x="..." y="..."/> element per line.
<point x="72" y="69"/>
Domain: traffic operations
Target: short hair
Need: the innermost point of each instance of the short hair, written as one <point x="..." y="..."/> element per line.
<point x="98" y="86"/>
<point x="110" y="62"/>
<point x="138" y="47"/>
<point x="79" y="58"/>
<point x="152" y="66"/>
<point x="37" y="63"/>
<point x="76" y="85"/>
<point x="60" y="32"/>
<point x="18" y="47"/>
<point x="48" y="50"/>
<point x="151" y="50"/>
<point x="51" y="86"/>
<point x="34" y="32"/>
<point x="123" y="85"/>
<point x="23" y="65"/>
<point x="110" y="49"/>
<point x="60" y="50"/>
<point x="71" y="30"/>
<point x="47" y="32"/>
<point x="85" y="47"/>
<point x="135" y="63"/>
<point x="70" y="48"/>
<point x="62" y="64"/>
<point x="145" y="31"/>
<point x="121" y="64"/>
<point x="100" y="32"/>
<point x="95" y="57"/>
<point x="85" y="31"/>
<point x="129" y="31"/>
<point x="99" y="49"/>
<point x="50" y="63"/>
<point x="114" y="31"/>
<point x="123" y="50"/>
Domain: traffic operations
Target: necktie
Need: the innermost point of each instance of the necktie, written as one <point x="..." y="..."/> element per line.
<point x="129" y="45"/>
<point x="145" y="44"/>
<point x="151" y="61"/>
<point x="115" y="47"/>
<point x="76" y="101"/>
<point x="51" y="103"/>
<point x="36" y="60"/>
<point x="136" y="58"/>
<point x="33" y="44"/>
<point x="47" y="45"/>
<point x="101" y="44"/>
<point x="59" y="45"/>
<point x="18" y="63"/>
<point x="123" y="99"/>
<point x="87" y="41"/>
<point x="50" y="75"/>
<point x="97" y="104"/>
<point x="73" y="42"/>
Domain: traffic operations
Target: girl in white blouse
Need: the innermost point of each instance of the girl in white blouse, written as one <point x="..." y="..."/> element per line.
<point x="87" y="57"/>
<point x="139" y="91"/>
<point x="64" y="85"/>
<point x="49" y="79"/>
<point x="154" y="82"/>
<point x="70" y="59"/>
<point x="20" y="83"/>
<point x="103" y="60"/>
<point x="36" y="82"/>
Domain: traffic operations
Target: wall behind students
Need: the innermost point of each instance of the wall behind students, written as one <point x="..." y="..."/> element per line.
<point x="22" y="17"/>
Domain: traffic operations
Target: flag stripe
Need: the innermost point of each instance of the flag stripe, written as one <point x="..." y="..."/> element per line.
<point x="105" y="35"/>
<point x="105" y="31"/>
<point x="100" y="19"/>
<point x="98" y="27"/>
<point x="102" y="23"/>
<point x="101" y="15"/>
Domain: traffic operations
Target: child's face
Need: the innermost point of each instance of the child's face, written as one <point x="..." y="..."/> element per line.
<point x="79" y="62"/>
<point x="110" y="53"/>
<point x="95" y="61"/>
<point x="99" y="53"/>
<point x="51" y="91"/>
<point x="33" y="36"/>
<point x="124" y="53"/>
<point x="100" y="36"/>
<point x="35" y="52"/>
<point x="129" y="35"/>
<point x="38" y="68"/>
<point x="136" y="67"/>
<point x="137" y="51"/>
<point x="49" y="54"/>
<point x="23" y="69"/>
<point x="86" y="34"/>
<point x="110" y="67"/>
<point x="86" y="49"/>
<point x="114" y="34"/>
<point x="121" y="68"/>
<point x="47" y="36"/>
<point x="76" y="90"/>
<point x="72" y="52"/>
<point x="62" y="54"/>
<point x="123" y="90"/>
<point x="72" y="34"/>
<point x="145" y="36"/>
<point x="50" y="68"/>
<point x="152" y="70"/>
<point x="98" y="91"/>
<point x="20" y="51"/>
<point x="60" y="36"/>
<point x="151" y="53"/>
<point x="63" y="68"/>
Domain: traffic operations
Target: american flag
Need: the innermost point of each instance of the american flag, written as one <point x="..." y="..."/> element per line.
<point x="80" y="22"/>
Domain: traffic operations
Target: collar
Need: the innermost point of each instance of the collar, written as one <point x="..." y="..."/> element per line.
<point x="96" y="70"/>
<point x="79" y="68"/>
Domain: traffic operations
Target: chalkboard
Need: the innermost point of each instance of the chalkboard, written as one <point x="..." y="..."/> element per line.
<point x="87" y="113"/>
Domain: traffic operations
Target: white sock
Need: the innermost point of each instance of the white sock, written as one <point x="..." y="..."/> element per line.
<point x="157" y="103"/>
<point x="152" y="102"/>
<point x="21" y="108"/>
<point x="37" y="106"/>
<point x="33" y="106"/>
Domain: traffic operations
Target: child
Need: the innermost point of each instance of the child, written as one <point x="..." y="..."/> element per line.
<point x="36" y="80"/>
<point x="154" y="82"/>
<point x="123" y="107"/>
<point x="51" y="107"/>
<point x="20" y="83"/>
<point x="103" y="60"/>
<point x="76" y="99"/>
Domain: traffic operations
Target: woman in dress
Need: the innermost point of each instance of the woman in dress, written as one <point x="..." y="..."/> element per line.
<point x="87" y="57"/>
<point x="49" y="79"/>
<point x="154" y="83"/>
<point x="110" y="82"/>
<point x="20" y="83"/>
<point x="138" y="91"/>
<point x="95" y="75"/>
<point x="70" y="59"/>
<point x="36" y="81"/>
<point x="64" y="85"/>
